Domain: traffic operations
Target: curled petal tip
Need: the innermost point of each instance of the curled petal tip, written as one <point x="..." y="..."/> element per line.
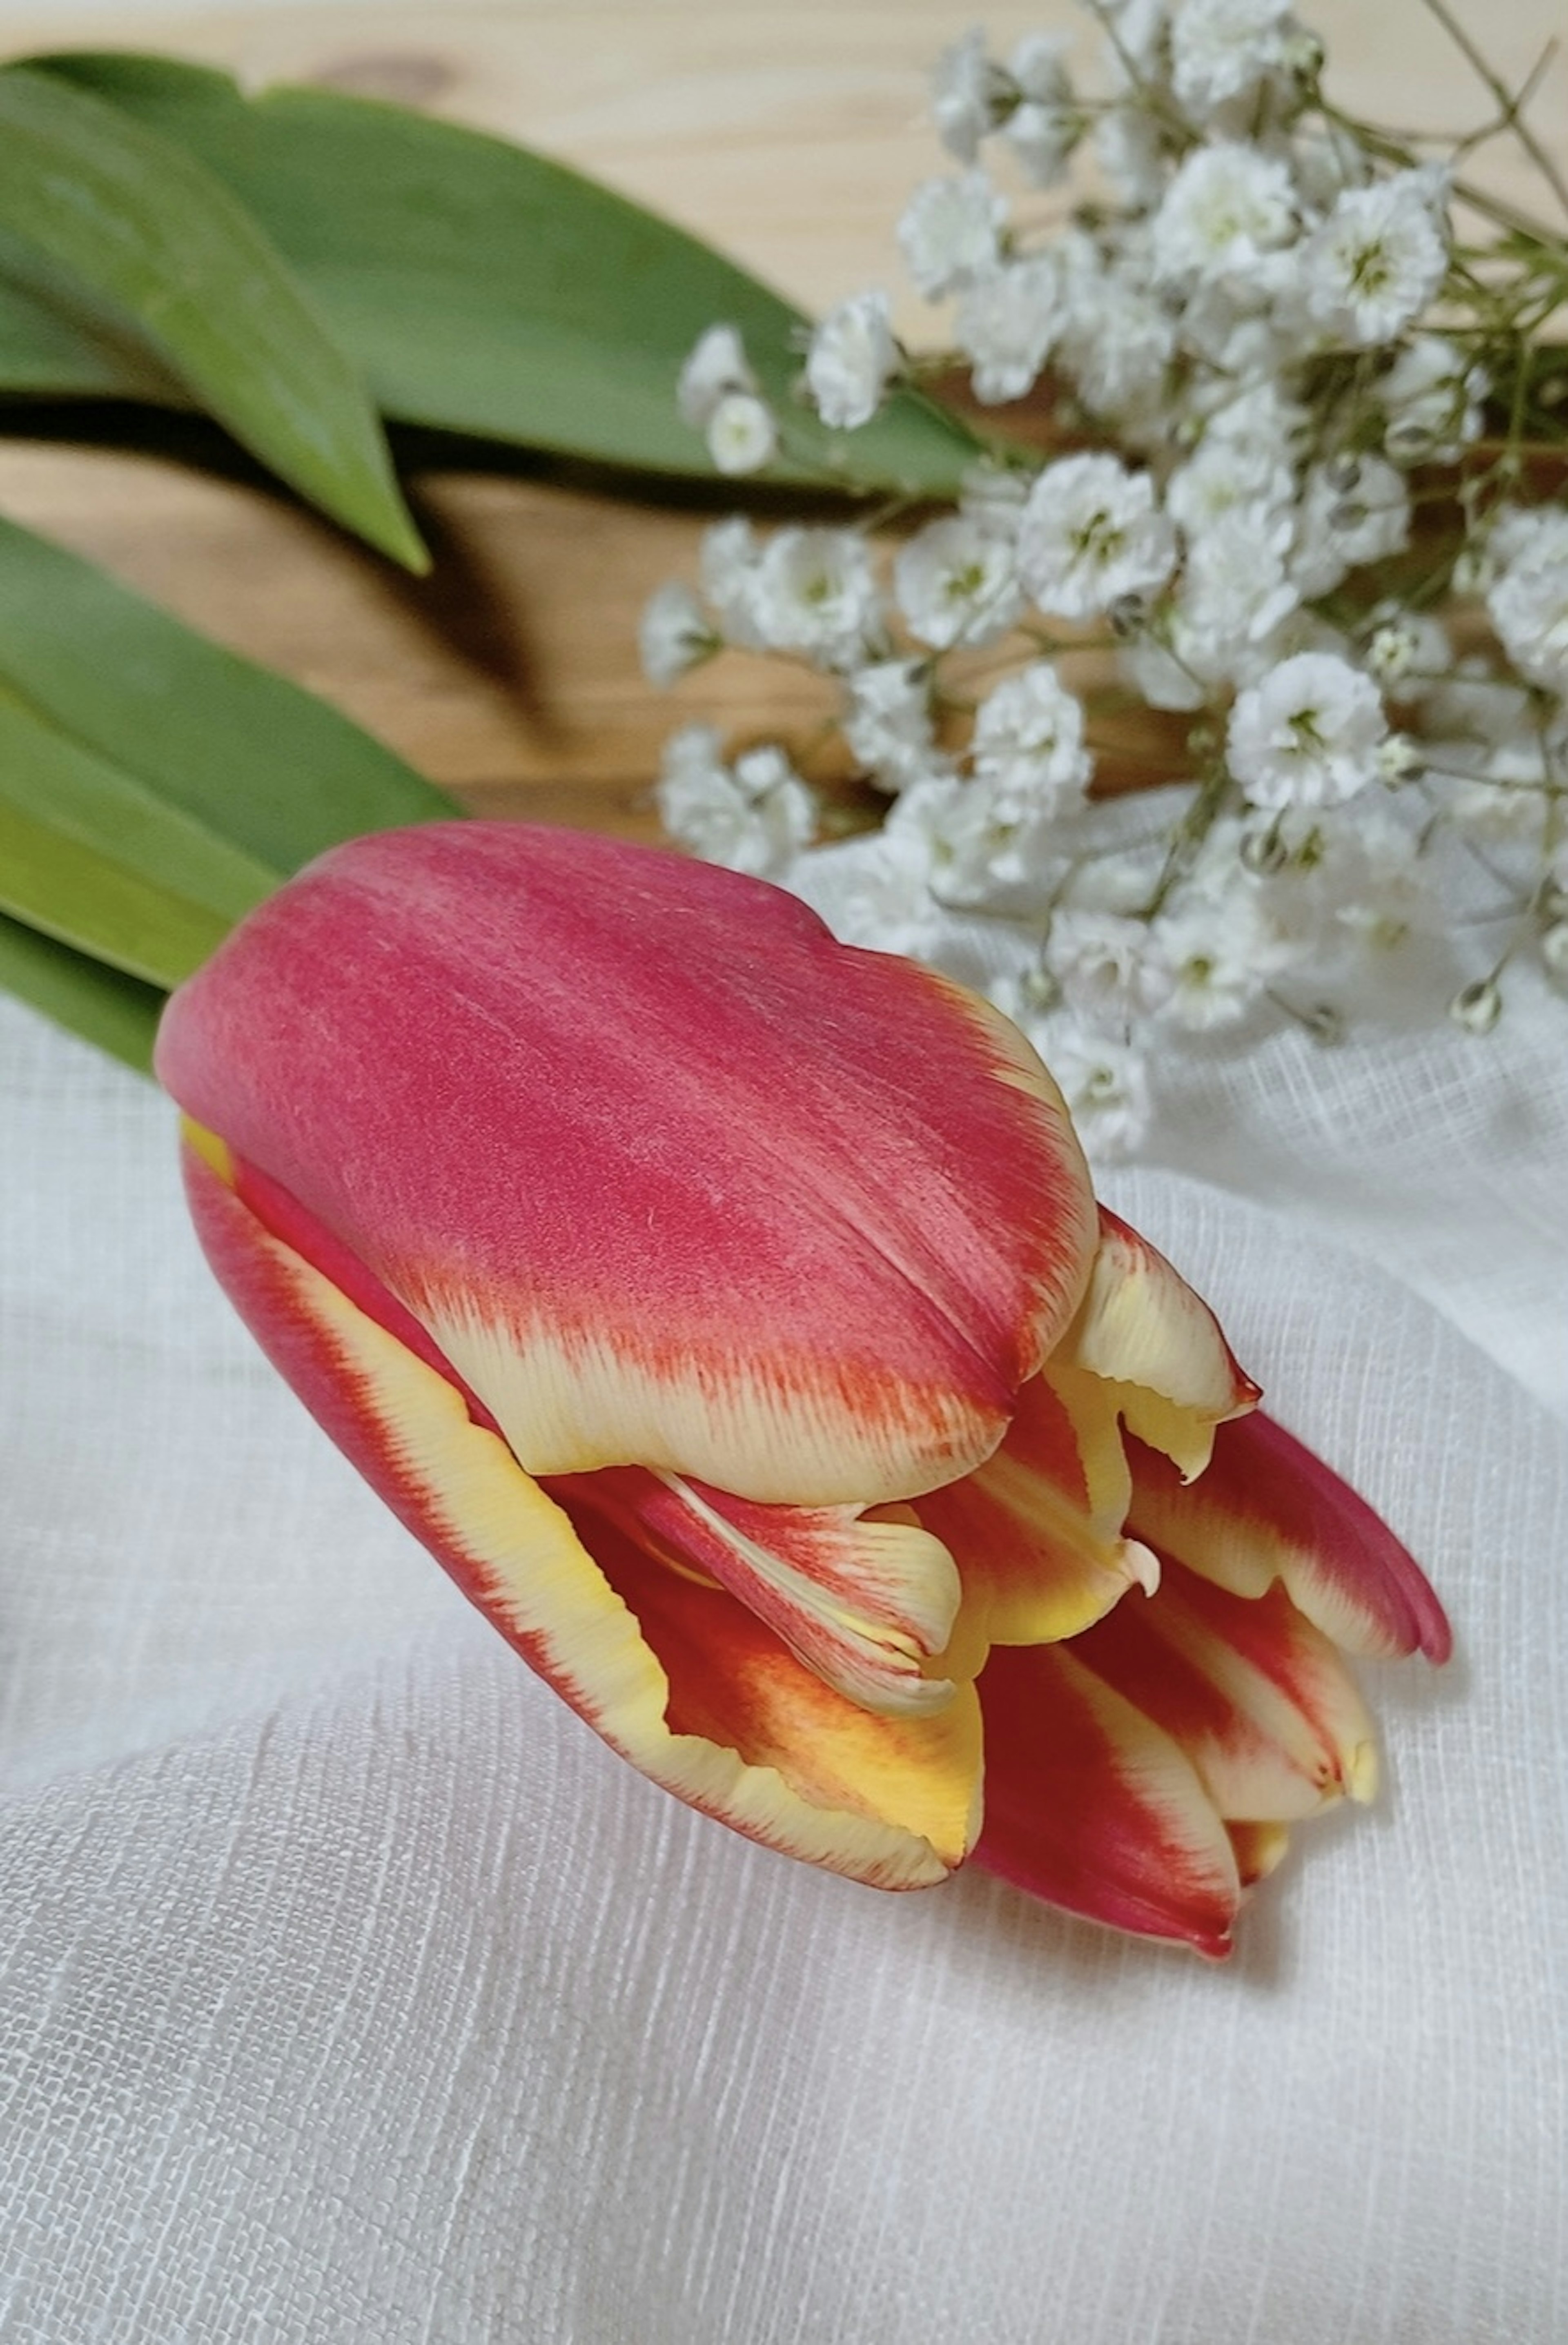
<point x="1268" y="1509"/>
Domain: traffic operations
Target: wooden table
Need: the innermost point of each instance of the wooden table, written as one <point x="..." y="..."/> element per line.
<point x="787" y="134"/>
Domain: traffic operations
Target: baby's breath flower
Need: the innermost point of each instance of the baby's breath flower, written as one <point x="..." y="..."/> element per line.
<point x="1307" y="734"/>
<point x="1528" y="601"/>
<point x="1252" y="343"/>
<point x="754" y="816"/>
<point x="742" y="436"/>
<point x="887" y="721"/>
<point x="726" y="572"/>
<point x="969" y="95"/>
<point x="1118" y="338"/>
<point x="1222" y="953"/>
<point x="1029" y="737"/>
<point x="1043" y="124"/>
<point x="1108" y="965"/>
<point x="674" y="636"/>
<point x="1226" y="206"/>
<point x="853" y="359"/>
<point x="1378" y="259"/>
<point x="1220" y="49"/>
<point x="957" y="584"/>
<point x="717" y="365"/>
<point x="1007" y="320"/>
<point x="1408" y="649"/>
<point x="1352" y="512"/>
<point x="1092" y="531"/>
<point x="815" y="591"/>
<point x="949" y="232"/>
<point x="1104" y="1082"/>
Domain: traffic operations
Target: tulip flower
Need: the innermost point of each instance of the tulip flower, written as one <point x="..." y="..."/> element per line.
<point x="729" y="1312"/>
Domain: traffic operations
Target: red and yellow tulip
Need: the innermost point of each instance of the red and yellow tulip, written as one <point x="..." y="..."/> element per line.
<point x="729" y="1312"/>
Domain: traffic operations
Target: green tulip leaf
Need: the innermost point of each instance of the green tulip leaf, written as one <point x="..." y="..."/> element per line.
<point x="153" y="787"/>
<point x="51" y="880"/>
<point x="485" y="290"/>
<point x="103" y="1005"/>
<point x="273" y="774"/>
<point x="134" y="229"/>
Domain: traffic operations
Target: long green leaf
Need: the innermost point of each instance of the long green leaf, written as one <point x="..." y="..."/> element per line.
<point x="271" y="773"/>
<point x="483" y="289"/>
<point x="152" y="788"/>
<point x="51" y="880"/>
<point x="137" y="223"/>
<point x="105" y="1006"/>
<point x="52" y="779"/>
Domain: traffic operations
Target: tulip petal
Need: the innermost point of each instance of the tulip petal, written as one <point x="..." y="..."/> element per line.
<point x="670" y="1177"/>
<point x="1160" y="1348"/>
<point x="861" y="1602"/>
<point x="734" y="1726"/>
<point x="1260" y="1848"/>
<point x="1037" y="1529"/>
<point x="1268" y="1509"/>
<point x="1090" y="1806"/>
<point x="1256" y="1697"/>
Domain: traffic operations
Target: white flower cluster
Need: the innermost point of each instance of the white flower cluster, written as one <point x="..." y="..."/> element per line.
<point x="1281" y="532"/>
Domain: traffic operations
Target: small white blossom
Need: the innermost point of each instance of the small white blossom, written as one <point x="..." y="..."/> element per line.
<point x="742" y="436"/>
<point x="1351" y="512"/>
<point x="1109" y="965"/>
<point x="995" y="848"/>
<point x="1226" y="478"/>
<point x="815" y="591"/>
<point x="1029" y="739"/>
<point x="853" y="359"/>
<point x="1307" y="734"/>
<point x="1222" y="48"/>
<point x="717" y="366"/>
<point x="1528" y="601"/>
<point x="887" y="721"/>
<point x="1409" y="649"/>
<point x="1091" y="533"/>
<point x="1118" y="340"/>
<point x="1104" y="1082"/>
<point x="957" y="584"/>
<point x="753" y="817"/>
<point x="1043" y="124"/>
<point x="727" y="571"/>
<point x="673" y="635"/>
<point x="1222" y="954"/>
<point x="949" y="232"/>
<point x="1378" y="259"/>
<point x="1227" y="207"/>
<point x="1006" y="322"/>
<point x="1130" y="145"/>
<point x="969" y="93"/>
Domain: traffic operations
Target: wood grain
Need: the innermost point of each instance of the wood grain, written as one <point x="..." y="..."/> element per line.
<point x="789" y="136"/>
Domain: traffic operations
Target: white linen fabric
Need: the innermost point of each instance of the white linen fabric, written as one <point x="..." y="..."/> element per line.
<point x="350" y="1990"/>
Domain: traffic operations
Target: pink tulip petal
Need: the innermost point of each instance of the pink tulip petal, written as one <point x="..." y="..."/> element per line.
<point x="1157" y="1344"/>
<point x="1036" y="1531"/>
<point x="712" y="1712"/>
<point x="1091" y="1807"/>
<point x="669" y="1176"/>
<point x="1268" y="1509"/>
<point x="861" y="1602"/>
<point x="1256" y="1697"/>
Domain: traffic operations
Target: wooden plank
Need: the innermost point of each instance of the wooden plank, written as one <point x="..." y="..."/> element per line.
<point x="788" y="135"/>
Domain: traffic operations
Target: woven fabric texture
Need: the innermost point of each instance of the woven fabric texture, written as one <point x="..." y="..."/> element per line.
<point x="351" y="1991"/>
